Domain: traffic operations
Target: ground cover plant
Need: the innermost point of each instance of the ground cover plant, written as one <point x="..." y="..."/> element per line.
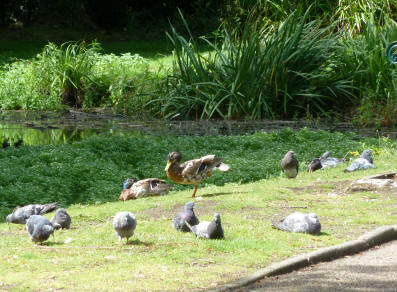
<point x="82" y="168"/>
<point x="87" y="256"/>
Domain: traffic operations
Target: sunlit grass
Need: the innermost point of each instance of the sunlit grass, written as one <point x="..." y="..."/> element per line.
<point x="159" y="258"/>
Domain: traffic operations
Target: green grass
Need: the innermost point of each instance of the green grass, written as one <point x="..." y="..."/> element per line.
<point x="92" y="170"/>
<point x="160" y="258"/>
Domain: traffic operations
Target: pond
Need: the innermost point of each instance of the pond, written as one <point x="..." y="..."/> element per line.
<point x="38" y="128"/>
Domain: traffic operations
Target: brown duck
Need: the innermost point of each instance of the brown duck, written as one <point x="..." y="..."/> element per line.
<point x="143" y="188"/>
<point x="192" y="172"/>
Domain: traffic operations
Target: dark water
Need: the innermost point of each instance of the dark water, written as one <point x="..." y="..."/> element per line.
<point x="38" y="128"/>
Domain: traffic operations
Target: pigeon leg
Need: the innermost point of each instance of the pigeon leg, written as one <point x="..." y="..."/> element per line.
<point x="119" y="240"/>
<point x="195" y="190"/>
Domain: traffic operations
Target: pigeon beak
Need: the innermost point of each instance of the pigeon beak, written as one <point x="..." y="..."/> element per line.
<point x="168" y="165"/>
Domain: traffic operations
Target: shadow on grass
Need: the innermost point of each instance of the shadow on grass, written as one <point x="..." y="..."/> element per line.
<point x="218" y="194"/>
<point x="138" y="242"/>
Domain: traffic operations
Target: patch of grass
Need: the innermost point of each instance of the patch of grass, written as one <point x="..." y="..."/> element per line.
<point x="160" y="258"/>
<point x="92" y="170"/>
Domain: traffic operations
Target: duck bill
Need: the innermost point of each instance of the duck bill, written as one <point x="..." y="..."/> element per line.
<point x="168" y="165"/>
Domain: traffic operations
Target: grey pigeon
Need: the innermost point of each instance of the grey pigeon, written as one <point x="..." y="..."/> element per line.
<point x="290" y="165"/>
<point x="61" y="219"/>
<point x="327" y="161"/>
<point x="124" y="223"/>
<point x="21" y="214"/>
<point x="299" y="222"/>
<point x="39" y="228"/>
<point x="314" y="165"/>
<point x="186" y="216"/>
<point x="363" y="162"/>
<point x="207" y="229"/>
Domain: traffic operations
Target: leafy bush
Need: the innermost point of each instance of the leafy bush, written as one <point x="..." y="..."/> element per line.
<point x="126" y="80"/>
<point x="78" y="75"/>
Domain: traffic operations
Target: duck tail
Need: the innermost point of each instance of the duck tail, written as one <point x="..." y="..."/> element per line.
<point x="224" y="167"/>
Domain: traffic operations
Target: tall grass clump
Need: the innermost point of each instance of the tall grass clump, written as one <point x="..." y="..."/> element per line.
<point x="71" y="64"/>
<point x="374" y="78"/>
<point x="284" y="72"/>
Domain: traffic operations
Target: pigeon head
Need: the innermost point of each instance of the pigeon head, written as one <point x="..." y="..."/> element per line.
<point x="217" y="218"/>
<point x="313" y="216"/>
<point x="48" y="229"/>
<point x="314" y="225"/>
<point x="189" y="206"/>
<point x="367" y="155"/>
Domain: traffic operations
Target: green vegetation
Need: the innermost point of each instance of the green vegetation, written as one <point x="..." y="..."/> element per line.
<point x="92" y="170"/>
<point x="87" y="256"/>
<point x="286" y="73"/>
<point x="268" y="59"/>
<point x="78" y="75"/>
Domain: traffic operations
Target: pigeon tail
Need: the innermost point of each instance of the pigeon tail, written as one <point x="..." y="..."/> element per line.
<point x="190" y="227"/>
<point x="50" y="207"/>
<point x="279" y="225"/>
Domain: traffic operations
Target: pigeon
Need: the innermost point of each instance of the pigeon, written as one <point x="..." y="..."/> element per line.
<point x="144" y="188"/>
<point x="363" y="162"/>
<point x="299" y="222"/>
<point x="207" y="229"/>
<point x="327" y="161"/>
<point x="192" y="172"/>
<point x="186" y="216"/>
<point x="290" y="165"/>
<point x="21" y="214"/>
<point x="61" y="219"/>
<point x="39" y="228"/>
<point x="314" y="165"/>
<point x="129" y="182"/>
<point x="124" y="223"/>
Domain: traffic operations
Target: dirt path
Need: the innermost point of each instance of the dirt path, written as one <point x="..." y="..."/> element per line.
<point x="372" y="270"/>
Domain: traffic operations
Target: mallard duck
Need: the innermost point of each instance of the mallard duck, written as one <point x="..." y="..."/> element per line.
<point x="144" y="188"/>
<point x="192" y="172"/>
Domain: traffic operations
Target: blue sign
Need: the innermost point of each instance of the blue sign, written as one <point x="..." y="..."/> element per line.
<point x="391" y="53"/>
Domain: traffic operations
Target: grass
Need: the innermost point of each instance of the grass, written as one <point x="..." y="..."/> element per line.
<point x="160" y="258"/>
<point x="91" y="171"/>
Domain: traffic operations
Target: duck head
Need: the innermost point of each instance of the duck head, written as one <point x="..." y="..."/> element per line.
<point x="173" y="157"/>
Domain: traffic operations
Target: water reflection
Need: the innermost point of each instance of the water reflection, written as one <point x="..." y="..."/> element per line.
<point x="38" y="128"/>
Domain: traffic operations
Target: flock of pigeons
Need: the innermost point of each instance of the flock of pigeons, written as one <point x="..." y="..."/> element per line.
<point x="189" y="172"/>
